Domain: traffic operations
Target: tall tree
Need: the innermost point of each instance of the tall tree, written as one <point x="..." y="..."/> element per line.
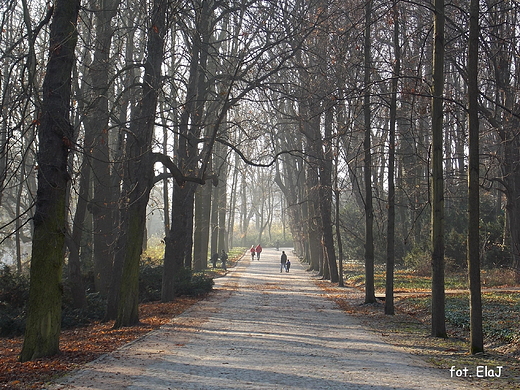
<point x="139" y="175"/>
<point x="367" y="145"/>
<point x="55" y="134"/>
<point x="103" y="206"/>
<point x="437" y="183"/>
<point x="476" y="332"/>
<point x="390" y="245"/>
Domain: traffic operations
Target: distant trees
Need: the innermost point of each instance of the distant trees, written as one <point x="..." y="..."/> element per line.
<point x="247" y="113"/>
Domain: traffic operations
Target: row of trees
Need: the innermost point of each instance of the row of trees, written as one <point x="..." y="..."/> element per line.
<point x="332" y="116"/>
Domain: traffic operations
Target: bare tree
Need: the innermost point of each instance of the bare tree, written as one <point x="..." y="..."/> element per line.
<point x="477" y="336"/>
<point x="367" y="145"/>
<point x="139" y="170"/>
<point x="55" y="135"/>
<point x="438" y="296"/>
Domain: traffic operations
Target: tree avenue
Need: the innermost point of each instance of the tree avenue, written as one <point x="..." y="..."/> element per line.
<point x="356" y="132"/>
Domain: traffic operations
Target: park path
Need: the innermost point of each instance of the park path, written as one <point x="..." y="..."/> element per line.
<point x="261" y="329"/>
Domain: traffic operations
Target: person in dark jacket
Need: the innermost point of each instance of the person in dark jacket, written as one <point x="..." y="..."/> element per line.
<point x="224" y="259"/>
<point x="283" y="261"/>
<point x="214" y="259"/>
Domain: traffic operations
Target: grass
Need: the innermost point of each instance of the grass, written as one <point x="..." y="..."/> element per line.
<point x="410" y="327"/>
<point x="404" y="280"/>
<point x="500" y="307"/>
<point x="500" y="314"/>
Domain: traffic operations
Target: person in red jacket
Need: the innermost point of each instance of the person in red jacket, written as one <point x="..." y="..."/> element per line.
<point x="253" y="252"/>
<point x="258" y="251"/>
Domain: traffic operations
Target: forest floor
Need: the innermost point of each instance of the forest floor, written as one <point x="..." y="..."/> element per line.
<point x="406" y="330"/>
<point x="409" y="330"/>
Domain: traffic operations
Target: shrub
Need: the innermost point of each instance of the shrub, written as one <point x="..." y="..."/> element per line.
<point x="95" y="311"/>
<point x="150" y="281"/>
<point x="192" y="284"/>
<point x="14" y="289"/>
<point x="419" y="260"/>
<point x="187" y="282"/>
<point x="14" y="292"/>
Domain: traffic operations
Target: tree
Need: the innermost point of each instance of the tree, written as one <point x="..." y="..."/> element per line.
<point x="476" y="332"/>
<point x="139" y="168"/>
<point x="369" y="209"/>
<point x="437" y="183"/>
<point x="103" y="206"/>
<point x="390" y="251"/>
<point x="55" y="134"/>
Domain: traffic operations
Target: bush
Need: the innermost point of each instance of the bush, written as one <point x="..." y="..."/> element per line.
<point x="187" y="283"/>
<point x="150" y="281"/>
<point x="14" y="289"/>
<point x="14" y="292"/>
<point x="95" y="311"/>
<point x="418" y="260"/>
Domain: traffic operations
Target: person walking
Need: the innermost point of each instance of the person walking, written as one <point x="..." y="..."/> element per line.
<point x="224" y="258"/>
<point x="253" y="252"/>
<point x="283" y="261"/>
<point x="287" y="265"/>
<point x="214" y="259"/>
<point x="258" y="251"/>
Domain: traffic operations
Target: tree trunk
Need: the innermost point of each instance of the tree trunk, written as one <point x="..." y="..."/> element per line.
<point x="370" y="296"/>
<point x="128" y="103"/>
<point x="140" y="168"/>
<point x="325" y="192"/>
<point x="43" y="324"/>
<point x="103" y="206"/>
<point x="390" y="243"/>
<point x="175" y="249"/>
<point x="201" y="230"/>
<point x="438" y="295"/>
<point x="79" y="300"/>
<point x="476" y="332"/>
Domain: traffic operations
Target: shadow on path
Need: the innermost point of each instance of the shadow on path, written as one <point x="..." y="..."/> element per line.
<point x="261" y="329"/>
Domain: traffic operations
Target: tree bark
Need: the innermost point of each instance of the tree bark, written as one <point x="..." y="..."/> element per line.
<point x="390" y="240"/>
<point x="140" y="167"/>
<point x="201" y="230"/>
<point x="79" y="299"/>
<point x="103" y="206"/>
<point x="437" y="203"/>
<point x="325" y="192"/>
<point x="476" y="331"/>
<point x="55" y="134"/>
<point x="370" y="296"/>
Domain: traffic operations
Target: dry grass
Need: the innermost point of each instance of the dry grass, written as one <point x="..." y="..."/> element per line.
<point x="409" y="330"/>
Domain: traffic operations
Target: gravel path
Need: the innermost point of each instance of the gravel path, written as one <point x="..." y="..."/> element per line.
<point x="261" y="329"/>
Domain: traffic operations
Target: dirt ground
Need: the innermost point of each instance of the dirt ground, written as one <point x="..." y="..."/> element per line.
<point x="264" y="329"/>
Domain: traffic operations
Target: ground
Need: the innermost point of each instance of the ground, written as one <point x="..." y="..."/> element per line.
<point x="404" y="330"/>
<point x="408" y="329"/>
<point x="80" y="345"/>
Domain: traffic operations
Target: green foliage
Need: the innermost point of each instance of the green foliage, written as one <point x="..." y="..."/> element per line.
<point x="154" y="253"/>
<point x="419" y="260"/>
<point x="94" y="311"/>
<point x="14" y="289"/>
<point x="187" y="283"/>
<point x="14" y="293"/>
<point x="192" y="284"/>
<point x="276" y="235"/>
<point x="500" y="312"/>
<point x="150" y="281"/>
<point x="404" y="279"/>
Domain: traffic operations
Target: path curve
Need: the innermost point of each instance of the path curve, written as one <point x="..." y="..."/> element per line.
<point x="261" y="329"/>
